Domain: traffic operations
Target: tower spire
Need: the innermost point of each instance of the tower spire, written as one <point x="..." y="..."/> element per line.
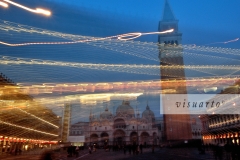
<point x="168" y="14"/>
<point x="106" y="109"/>
<point x="169" y="21"/>
<point x="147" y="107"/>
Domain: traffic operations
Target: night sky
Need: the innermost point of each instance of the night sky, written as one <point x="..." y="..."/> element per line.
<point x="201" y="22"/>
<point x="204" y="23"/>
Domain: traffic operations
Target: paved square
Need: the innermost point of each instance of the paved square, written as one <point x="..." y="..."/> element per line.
<point x="160" y="153"/>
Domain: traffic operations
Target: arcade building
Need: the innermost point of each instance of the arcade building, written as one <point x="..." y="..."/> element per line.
<point x="24" y="123"/>
<point x="223" y="128"/>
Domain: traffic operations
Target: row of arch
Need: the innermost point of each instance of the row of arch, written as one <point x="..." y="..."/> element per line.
<point x="221" y="120"/>
<point x="120" y="133"/>
<point x="119" y="136"/>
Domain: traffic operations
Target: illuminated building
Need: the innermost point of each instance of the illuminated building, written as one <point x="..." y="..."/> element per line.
<point x="126" y="126"/>
<point x="223" y="128"/>
<point x="177" y="127"/>
<point x="24" y="123"/>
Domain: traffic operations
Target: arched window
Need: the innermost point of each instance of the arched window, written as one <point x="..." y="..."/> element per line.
<point x="119" y="123"/>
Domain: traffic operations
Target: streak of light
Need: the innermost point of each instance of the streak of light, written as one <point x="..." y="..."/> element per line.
<point x="126" y="86"/>
<point x="230" y="41"/>
<point x="27" y="128"/>
<point x="37" y="117"/>
<point x="134" y="48"/>
<point x="169" y="70"/>
<point x="138" y="34"/>
<point x="94" y="98"/>
<point x="14" y="60"/>
<point x="3" y="4"/>
<point x="20" y="139"/>
<point x="37" y="10"/>
<point x="119" y="37"/>
<point x="234" y="40"/>
<point x="210" y="89"/>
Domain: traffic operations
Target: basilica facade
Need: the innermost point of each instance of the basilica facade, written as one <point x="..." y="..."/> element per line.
<point x="126" y="126"/>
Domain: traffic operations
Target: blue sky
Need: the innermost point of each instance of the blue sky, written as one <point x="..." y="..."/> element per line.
<point x="202" y="22"/>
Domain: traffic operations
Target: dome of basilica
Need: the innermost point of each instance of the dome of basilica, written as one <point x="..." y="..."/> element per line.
<point x="125" y="109"/>
<point x="106" y="114"/>
<point x="148" y="113"/>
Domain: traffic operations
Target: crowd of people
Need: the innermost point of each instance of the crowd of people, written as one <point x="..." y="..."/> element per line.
<point x="130" y="148"/>
<point x="127" y="149"/>
<point x="15" y="151"/>
<point x="74" y="150"/>
<point x="228" y="151"/>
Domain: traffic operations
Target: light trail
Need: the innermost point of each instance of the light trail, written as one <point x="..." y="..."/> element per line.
<point x="170" y="70"/>
<point x="140" y="49"/>
<point x="5" y="5"/>
<point x="134" y="48"/>
<point x="230" y="41"/>
<point x="234" y="40"/>
<point x="138" y="34"/>
<point x="119" y="37"/>
<point x="27" y="128"/>
<point x="37" y="117"/>
<point x="127" y="86"/>
<point x="37" y="10"/>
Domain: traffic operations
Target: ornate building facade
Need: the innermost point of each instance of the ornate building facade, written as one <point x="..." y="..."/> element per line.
<point x="126" y="126"/>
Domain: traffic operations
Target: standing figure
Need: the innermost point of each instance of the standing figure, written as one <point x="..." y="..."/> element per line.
<point x="129" y="148"/>
<point x="141" y="147"/>
<point x="152" y="148"/>
<point x="124" y="149"/>
<point x="90" y="150"/>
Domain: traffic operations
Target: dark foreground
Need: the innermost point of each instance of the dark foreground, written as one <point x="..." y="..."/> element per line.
<point x="159" y="153"/>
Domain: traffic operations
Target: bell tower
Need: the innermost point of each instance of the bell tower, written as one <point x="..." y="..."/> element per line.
<point x="177" y="126"/>
<point x="169" y="21"/>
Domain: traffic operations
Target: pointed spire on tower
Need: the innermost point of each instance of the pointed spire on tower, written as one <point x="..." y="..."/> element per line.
<point x="147" y="107"/>
<point x="168" y="14"/>
<point x="106" y="108"/>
